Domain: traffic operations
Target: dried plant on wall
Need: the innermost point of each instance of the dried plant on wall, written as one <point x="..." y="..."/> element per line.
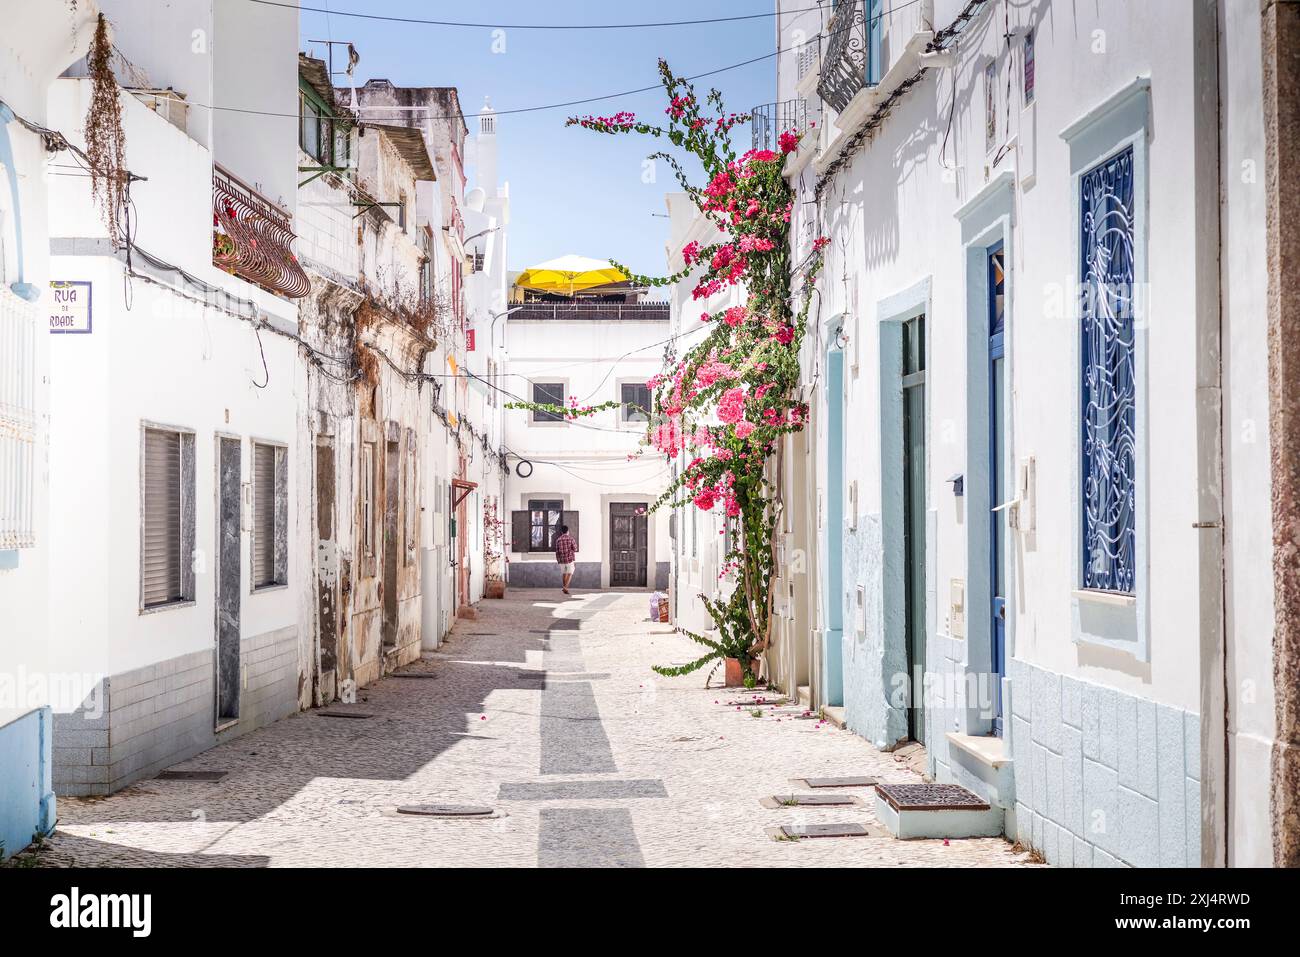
<point x="105" y="139"/>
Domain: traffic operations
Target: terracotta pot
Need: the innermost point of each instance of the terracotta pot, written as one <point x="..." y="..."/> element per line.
<point x="734" y="674"/>
<point x="495" y="589"/>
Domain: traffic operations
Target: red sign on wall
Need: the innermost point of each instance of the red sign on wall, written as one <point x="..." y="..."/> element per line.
<point x="469" y="340"/>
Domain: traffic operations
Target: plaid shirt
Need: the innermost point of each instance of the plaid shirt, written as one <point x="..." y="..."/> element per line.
<point x="565" y="548"/>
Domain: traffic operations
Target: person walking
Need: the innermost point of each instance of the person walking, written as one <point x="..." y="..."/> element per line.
<point x="566" y="550"/>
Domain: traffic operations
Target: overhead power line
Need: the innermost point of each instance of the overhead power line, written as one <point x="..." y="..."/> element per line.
<point x="532" y="26"/>
<point x="522" y="109"/>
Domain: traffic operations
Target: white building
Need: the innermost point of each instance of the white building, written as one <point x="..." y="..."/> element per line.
<point x="1054" y="509"/>
<point x="699" y="540"/>
<point x="174" y="415"/>
<point x="579" y="472"/>
<point x="487" y="293"/>
<point x="39" y="42"/>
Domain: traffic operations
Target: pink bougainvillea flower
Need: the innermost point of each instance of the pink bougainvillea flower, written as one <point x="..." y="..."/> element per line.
<point x="744" y="429"/>
<point x="731" y="407"/>
<point x="735" y="316"/>
<point x="784" y="335"/>
<point x="820" y="243"/>
<point x="789" y="141"/>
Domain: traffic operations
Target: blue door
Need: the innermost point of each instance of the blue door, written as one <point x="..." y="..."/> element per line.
<point x="998" y="484"/>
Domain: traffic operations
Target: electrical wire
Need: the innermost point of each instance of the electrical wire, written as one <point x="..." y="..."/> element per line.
<point x="532" y="26"/>
<point x="517" y="110"/>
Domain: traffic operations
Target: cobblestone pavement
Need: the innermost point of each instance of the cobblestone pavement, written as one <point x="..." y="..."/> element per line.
<point x="599" y="763"/>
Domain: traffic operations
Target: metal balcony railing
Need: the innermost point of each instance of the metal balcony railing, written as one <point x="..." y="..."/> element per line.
<point x="251" y="237"/>
<point x="769" y="121"/>
<point x="849" y="63"/>
<point x="592" y="311"/>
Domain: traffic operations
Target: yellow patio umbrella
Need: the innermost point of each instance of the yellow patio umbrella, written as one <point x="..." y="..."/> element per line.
<point x="570" y="274"/>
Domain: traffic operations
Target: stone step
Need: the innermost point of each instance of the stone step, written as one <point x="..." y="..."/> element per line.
<point x="911" y="811"/>
<point x="983" y="764"/>
<point x="835" y="715"/>
<point x="804" y="696"/>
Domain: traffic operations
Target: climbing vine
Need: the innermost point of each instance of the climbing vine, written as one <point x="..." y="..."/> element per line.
<point x="728" y="401"/>
<point x="571" y="412"/>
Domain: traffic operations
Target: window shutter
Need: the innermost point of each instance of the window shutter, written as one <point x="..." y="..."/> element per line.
<point x="519" y="531"/>
<point x="263" y="515"/>
<point x="161" y="561"/>
<point x="571" y="519"/>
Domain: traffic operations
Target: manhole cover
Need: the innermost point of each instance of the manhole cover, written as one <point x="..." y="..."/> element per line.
<point x="755" y="702"/>
<point x="844" y="782"/>
<point x="824" y="830"/>
<point x="344" y="714"/>
<point x="446" y="810"/>
<point x="813" y="800"/>
<point x="930" y="797"/>
<point x="414" y="674"/>
<point x="191" y="775"/>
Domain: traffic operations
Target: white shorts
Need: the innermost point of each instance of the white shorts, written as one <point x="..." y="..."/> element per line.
<point x="569" y="569"/>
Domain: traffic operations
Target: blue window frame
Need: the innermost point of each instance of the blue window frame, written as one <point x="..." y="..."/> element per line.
<point x="875" y="28"/>
<point x="1108" y="415"/>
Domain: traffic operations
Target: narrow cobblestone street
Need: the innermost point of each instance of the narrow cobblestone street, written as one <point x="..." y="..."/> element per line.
<point x="599" y="762"/>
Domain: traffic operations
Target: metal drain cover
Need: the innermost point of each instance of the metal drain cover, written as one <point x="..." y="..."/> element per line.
<point x="844" y="782"/>
<point x="930" y="797"/>
<point x="414" y="674"/>
<point x="191" y="775"/>
<point x="344" y="714"/>
<point x="446" y="810"/>
<point x="814" y="800"/>
<point x="824" y="830"/>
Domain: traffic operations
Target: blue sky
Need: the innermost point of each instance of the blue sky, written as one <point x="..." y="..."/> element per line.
<point x="572" y="191"/>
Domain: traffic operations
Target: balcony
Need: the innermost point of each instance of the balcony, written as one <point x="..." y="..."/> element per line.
<point x="851" y="61"/>
<point x="251" y="238"/>
<point x="601" y="311"/>
<point x="769" y="121"/>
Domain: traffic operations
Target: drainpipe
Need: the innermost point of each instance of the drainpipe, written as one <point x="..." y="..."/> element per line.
<point x="1281" y="75"/>
<point x="1208" y="177"/>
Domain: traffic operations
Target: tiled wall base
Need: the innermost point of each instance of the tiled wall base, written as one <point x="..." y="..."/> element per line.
<point x="1101" y="778"/>
<point x="153" y="717"/>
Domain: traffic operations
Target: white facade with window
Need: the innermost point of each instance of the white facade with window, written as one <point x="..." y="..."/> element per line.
<point x="174" y="435"/>
<point x="581" y="469"/>
<point x="1038" y="528"/>
<point x="38" y="42"/>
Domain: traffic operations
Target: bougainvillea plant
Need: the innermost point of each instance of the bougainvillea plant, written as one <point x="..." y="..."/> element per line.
<point x="728" y="402"/>
<point x="571" y="412"/>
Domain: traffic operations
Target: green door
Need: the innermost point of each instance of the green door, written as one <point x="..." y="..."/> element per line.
<point x="914" y="517"/>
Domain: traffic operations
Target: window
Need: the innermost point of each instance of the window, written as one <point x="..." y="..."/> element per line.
<point x="412" y="499"/>
<point x="636" y="402"/>
<point x="1029" y="67"/>
<point x="543" y="519"/>
<point x="550" y="393"/>
<point x="368" y="498"/>
<point x="167" y="540"/>
<point x="991" y="105"/>
<point x="270" y="516"/>
<point x="18" y="419"/>
<point x="316" y="130"/>
<point x="1108" y="375"/>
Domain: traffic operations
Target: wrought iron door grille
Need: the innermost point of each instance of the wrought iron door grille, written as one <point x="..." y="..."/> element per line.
<point x="1108" y="383"/>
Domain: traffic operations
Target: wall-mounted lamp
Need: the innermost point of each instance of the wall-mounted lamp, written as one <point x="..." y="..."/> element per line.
<point x="958" y="483"/>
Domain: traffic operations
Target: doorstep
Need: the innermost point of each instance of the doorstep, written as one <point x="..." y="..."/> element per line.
<point x="983" y="764"/>
<point x="834" y="714"/>
<point x="804" y="696"/>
